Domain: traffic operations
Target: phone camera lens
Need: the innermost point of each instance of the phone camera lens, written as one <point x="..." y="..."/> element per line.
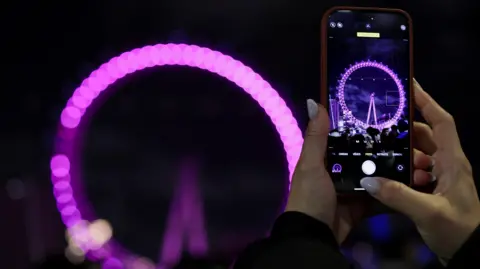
<point x="339" y="24"/>
<point x="368" y="26"/>
<point x="332" y="24"/>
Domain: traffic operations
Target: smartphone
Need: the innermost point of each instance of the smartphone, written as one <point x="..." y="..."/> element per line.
<point x="366" y="86"/>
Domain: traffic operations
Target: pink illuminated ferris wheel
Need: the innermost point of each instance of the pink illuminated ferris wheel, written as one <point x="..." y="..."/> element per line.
<point x="72" y="203"/>
<point x="365" y="123"/>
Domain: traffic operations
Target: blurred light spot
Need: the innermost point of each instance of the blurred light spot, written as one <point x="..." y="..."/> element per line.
<point x="424" y="254"/>
<point x="60" y="165"/>
<point x="143" y="263"/>
<point x="112" y="263"/>
<point x="363" y="254"/>
<point x="78" y="234"/>
<point x="100" y="232"/>
<point x="380" y="227"/>
<point x="74" y="254"/>
<point x="16" y="189"/>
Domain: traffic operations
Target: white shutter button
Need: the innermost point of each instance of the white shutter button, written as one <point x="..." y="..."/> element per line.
<point x="368" y="167"/>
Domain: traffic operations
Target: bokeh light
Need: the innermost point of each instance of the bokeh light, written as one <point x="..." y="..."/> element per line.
<point x="100" y="232"/>
<point x="16" y="189"/>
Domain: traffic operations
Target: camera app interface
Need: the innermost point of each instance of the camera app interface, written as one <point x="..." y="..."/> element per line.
<point x="368" y="87"/>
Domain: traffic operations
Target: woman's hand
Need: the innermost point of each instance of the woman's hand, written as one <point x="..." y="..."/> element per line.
<point x="312" y="191"/>
<point x="446" y="218"/>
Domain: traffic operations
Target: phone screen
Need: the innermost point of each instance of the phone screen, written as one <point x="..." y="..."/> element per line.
<point x="368" y="73"/>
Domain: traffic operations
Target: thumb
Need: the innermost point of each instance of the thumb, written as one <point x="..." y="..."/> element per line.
<point x="315" y="143"/>
<point x="398" y="196"/>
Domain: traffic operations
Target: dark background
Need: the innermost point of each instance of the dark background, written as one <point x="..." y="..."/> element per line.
<point x="160" y="116"/>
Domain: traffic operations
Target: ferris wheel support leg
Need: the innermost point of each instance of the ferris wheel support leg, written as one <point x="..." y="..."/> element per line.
<point x="369" y="110"/>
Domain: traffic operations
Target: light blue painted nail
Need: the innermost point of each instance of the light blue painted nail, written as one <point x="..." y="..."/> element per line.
<point x="312" y="108"/>
<point x="370" y="184"/>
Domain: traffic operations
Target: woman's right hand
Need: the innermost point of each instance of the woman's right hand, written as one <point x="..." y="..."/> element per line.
<point x="446" y="218"/>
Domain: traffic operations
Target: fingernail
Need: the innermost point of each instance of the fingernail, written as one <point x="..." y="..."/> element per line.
<point x="415" y="82"/>
<point x="312" y="108"/>
<point x="370" y="184"/>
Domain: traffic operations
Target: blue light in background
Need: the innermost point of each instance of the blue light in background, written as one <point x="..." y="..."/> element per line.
<point x="380" y="227"/>
<point x="423" y="254"/>
<point x="346" y="252"/>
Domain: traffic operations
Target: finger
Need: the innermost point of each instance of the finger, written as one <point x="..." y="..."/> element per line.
<point x="422" y="177"/>
<point x="398" y="196"/>
<point x="315" y="143"/>
<point x="423" y="137"/>
<point x="445" y="134"/>
<point x="421" y="160"/>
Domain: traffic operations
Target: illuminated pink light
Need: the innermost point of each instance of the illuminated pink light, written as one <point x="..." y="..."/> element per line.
<point x="185" y="219"/>
<point x="149" y="56"/>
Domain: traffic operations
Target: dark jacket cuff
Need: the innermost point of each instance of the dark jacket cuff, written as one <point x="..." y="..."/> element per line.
<point x="469" y="254"/>
<point x="296" y="224"/>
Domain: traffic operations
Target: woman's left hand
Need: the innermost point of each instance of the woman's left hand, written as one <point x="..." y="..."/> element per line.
<point x="312" y="191"/>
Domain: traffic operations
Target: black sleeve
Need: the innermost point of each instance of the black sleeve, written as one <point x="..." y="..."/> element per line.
<point x="468" y="256"/>
<point x="296" y="241"/>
